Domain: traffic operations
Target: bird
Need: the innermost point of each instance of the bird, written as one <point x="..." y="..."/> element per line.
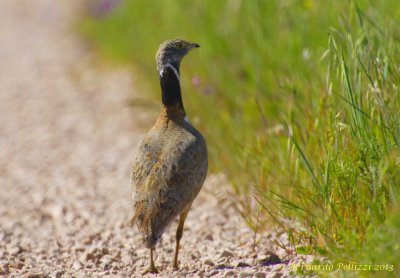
<point x="171" y="163"/>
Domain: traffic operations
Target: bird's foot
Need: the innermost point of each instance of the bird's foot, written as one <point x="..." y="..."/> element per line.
<point x="176" y="266"/>
<point x="151" y="269"/>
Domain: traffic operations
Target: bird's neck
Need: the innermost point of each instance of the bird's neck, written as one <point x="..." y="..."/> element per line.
<point x="171" y="91"/>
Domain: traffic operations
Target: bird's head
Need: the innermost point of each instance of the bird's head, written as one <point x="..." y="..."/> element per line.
<point x="171" y="52"/>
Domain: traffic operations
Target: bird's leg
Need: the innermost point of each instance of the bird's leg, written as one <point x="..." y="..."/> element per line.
<point x="152" y="268"/>
<point x="179" y="233"/>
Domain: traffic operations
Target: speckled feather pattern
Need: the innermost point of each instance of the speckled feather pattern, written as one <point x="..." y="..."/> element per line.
<point x="167" y="174"/>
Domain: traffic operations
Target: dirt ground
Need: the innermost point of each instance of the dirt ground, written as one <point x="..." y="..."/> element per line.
<point x="68" y="137"/>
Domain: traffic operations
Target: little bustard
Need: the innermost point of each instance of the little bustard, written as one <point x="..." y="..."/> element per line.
<point x="171" y="163"/>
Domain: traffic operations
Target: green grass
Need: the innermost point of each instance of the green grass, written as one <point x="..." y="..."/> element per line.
<point x="299" y="102"/>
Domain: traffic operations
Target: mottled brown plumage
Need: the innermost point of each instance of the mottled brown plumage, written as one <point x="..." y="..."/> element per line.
<point x="171" y="162"/>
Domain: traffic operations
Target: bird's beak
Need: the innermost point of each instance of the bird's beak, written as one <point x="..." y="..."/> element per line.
<point x="193" y="45"/>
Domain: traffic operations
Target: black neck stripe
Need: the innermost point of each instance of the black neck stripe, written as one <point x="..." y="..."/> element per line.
<point x="170" y="87"/>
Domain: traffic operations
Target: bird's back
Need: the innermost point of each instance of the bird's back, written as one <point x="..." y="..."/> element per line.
<point x="168" y="173"/>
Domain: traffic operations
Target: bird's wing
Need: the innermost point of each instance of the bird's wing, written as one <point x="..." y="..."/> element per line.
<point x="165" y="180"/>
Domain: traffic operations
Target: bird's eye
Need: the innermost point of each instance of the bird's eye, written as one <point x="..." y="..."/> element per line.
<point x="179" y="45"/>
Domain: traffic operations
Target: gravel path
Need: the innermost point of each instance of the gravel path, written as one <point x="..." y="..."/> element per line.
<point x="67" y="140"/>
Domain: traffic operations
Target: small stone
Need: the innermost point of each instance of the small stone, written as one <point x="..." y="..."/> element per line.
<point x="78" y="249"/>
<point x="76" y="265"/>
<point x="222" y="266"/>
<point x="87" y="240"/>
<point x="214" y="272"/>
<point x="117" y="256"/>
<point x="15" y="250"/>
<point x="33" y="275"/>
<point x="209" y="262"/>
<point x="84" y="258"/>
<point x="269" y="252"/>
<point x="242" y="265"/>
<point x="271" y="260"/>
<point x="274" y="275"/>
<point x="17" y="265"/>
<point x="126" y="259"/>
<point x="247" y="274"/>
<point x="259" y="275"/>
<point x="5" y="264"/>
<point x="59" y="244"/>
<point x="226" y="254"/>
<point x="106" y="262"/>
<point x="58" y="273"/>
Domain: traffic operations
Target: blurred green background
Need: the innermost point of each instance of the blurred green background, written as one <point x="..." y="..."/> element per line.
<point x="298" y="100"/>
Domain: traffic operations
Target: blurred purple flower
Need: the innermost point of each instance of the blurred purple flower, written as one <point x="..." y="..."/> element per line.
<point x="208" y="90"/>
<point x="196" y="80"/>
<point x="99" y="8"/>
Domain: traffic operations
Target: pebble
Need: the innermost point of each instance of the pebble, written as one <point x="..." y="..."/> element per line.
<point x="271" y="260"/>
<point x="225" y="254"/>
<point x="214" y="272"/>
<point x="105" y="251"/>
<point x="222" y="266"/>
<point x="209" y="262"/>
<point x="242" y="265"/>
<point x="33" y="275"/>
<point x="126" y="259"/>
<point x="106" y="262"/>
<point x="248" y="273"/>
<point x="76" y="265"/>
<point x="260" y="275"/>
<point x="14" y="250"/>
<point x="274" y="275"/>
<point x="57" y="273"/>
